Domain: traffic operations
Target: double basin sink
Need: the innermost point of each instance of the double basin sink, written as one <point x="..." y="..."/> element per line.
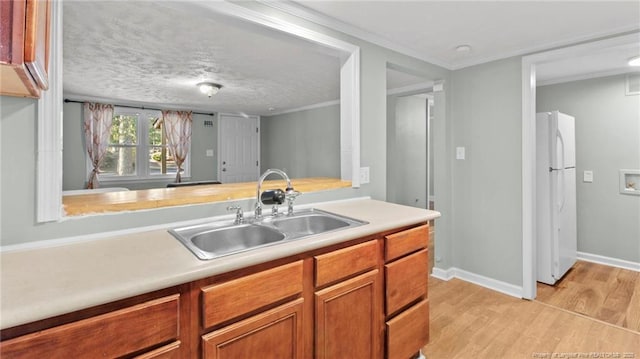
<point x="221" y="238"/>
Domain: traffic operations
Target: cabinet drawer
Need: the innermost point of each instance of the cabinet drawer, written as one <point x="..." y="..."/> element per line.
<point x="105" y="336"/>
<point x="405" y="242"/>
<point x="171" y="351"/>
<point x="408" y="332"/>
<point x="406" y="280"/>
<point x="346" y="262"/>
<point x="228" y="300"/>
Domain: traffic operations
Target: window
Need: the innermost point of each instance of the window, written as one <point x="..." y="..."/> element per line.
<point x="137" y="148"/>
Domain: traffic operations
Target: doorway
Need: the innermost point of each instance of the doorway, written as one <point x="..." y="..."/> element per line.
<point x="530" y="76"/>
<point x="410" y="105"/>
<point x="238" y="148"/>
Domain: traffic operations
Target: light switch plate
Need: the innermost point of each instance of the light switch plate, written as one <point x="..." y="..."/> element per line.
<point x="587" y="176"/>
<point x="459" y="153"/>
<point x="209" y="153"/>
<point x="364" y="175"/>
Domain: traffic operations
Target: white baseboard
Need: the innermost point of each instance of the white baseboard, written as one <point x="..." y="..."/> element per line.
<point x="489" y="283"/>
<point x="613" y="262"/>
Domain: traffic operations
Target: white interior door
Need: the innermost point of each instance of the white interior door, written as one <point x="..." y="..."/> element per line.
<point x="238" y="148"/>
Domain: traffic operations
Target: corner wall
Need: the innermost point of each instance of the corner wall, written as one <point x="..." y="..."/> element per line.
<point x="486" y="186"/>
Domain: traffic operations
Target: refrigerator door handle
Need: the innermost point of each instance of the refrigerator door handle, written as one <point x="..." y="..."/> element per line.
<point x="562" y="177"/>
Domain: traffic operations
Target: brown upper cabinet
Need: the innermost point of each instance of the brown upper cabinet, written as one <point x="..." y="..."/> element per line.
<point x="24" y="47"/>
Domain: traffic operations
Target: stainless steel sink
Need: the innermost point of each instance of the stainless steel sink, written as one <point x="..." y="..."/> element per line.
<point x="235" y="239"/>
<point x="308" y="224"/>
<point x="220" y="238"/>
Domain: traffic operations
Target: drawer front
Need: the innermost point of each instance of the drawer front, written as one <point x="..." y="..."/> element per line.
<point x="171" y="351"/>
<point x="228" y="300"/>
<point x="406" y="280"/>
<point x="105" y="336"/>
<point x="405" y="242"/>
<point x="408" y="332"/>
<point x="346" y="262"/>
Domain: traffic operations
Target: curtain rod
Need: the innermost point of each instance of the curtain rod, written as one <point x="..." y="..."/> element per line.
<point x="66" y="100"/>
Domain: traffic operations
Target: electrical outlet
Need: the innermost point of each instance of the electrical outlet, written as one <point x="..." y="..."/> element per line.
<point x="209" y="153"/>
<point x="460" y="153"/>
<point x="364" y="175"/>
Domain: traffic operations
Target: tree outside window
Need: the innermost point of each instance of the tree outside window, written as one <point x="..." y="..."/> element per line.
<point x="137" y="147"/>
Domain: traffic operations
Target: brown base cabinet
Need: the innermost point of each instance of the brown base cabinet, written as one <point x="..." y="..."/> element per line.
<point x="362" y="299"/>
<point x="275" y="334"/>
<point x="347" y="319"/>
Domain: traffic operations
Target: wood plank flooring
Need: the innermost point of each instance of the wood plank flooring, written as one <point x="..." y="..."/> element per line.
<point x="469" y="321"/>
<point x="602" y="292"/>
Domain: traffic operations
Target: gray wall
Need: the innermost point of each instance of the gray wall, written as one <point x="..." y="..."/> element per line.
<point x="17" y="179"/>
<point x="407" y="150"/>
<point x="486" y="187"/>
<point x="302" y="143"/>
<point x="73" y="160"/>
<point x="607" y="140"/>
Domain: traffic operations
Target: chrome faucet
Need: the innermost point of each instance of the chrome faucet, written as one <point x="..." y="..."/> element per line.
<point x="290" y="193"/>
<point x="239" y="214"/>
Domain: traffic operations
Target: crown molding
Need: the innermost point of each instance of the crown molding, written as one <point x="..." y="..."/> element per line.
<point x="303" y="12"/>
<point x="588" y="76"/>
<point x="298" y="10"/>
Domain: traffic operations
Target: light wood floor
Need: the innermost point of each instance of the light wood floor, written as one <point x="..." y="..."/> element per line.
<point x="606" y="293"/>
<point x="468" y="321"/>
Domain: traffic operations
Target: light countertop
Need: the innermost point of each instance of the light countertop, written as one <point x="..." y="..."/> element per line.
<point x="45" y="282"/>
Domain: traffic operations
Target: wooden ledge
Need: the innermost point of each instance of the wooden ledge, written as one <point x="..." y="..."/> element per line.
<point x="79" y="205"/>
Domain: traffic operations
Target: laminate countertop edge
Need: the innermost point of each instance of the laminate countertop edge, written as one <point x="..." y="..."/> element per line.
<point x="41" y="283"/>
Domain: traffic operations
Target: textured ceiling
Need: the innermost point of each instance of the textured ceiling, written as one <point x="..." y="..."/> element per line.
<point x="155" y="53"/>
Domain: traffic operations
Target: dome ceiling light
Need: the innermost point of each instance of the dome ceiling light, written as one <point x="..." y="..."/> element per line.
<point x="209" y="88"/>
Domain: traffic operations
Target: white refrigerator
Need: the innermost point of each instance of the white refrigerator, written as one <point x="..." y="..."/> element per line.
<point x="556" y="195"/>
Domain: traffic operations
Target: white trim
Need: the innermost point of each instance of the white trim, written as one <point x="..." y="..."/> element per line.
<point x="587" y="76"/>
<point x="305" y="108"/>
<point x="609" y="261"/>
<point x="428" y="85"/>
<point x="486" y="282"/>
<point x="308" y="14"/>
<point x="528" y="178"/>
<point x="274" y="22"/>
<point x="49" y="120"/>
<point x="443" y="274"/>
<point x="529" y="144"/>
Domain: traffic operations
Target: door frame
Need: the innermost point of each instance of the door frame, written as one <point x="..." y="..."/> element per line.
<point x="529" y="145"/>
<point x="49" y="115"/>
<point x="219" y="141"/>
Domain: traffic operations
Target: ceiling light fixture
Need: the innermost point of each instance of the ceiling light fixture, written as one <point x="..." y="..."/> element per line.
<point x="634" y="61"/>
<point x="209" y="88"/>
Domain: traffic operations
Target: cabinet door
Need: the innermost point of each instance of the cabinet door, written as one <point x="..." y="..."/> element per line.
<point x="275" y="334"/>
<point x="348" y="319"/>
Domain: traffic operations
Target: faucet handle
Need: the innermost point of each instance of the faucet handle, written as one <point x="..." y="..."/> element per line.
<point x="239" y="213"/>
<point x="291" y="194"/>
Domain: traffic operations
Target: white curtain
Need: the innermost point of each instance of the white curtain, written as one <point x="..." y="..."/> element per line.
<point x="177" y="127"/>
<point x="97" y="127"/>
